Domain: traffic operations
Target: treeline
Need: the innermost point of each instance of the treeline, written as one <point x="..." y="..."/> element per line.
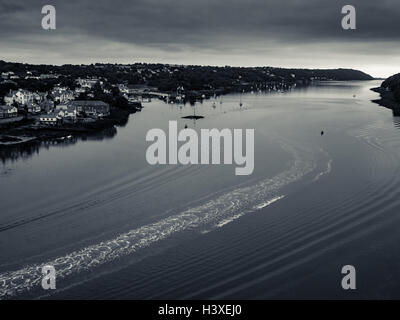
<point x="168" y="77"/>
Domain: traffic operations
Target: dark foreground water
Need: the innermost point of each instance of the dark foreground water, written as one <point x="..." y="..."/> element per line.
<point x="115" y="227"/>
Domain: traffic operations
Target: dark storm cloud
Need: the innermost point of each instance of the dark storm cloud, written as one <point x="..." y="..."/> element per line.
<point x="258" y="27"/>
<point x="210" y="21"/>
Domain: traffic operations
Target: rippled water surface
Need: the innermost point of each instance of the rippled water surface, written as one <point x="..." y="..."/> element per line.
<point x="115" y="227"/>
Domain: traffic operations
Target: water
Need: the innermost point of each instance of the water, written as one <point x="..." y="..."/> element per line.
<point x="115" y="227"/>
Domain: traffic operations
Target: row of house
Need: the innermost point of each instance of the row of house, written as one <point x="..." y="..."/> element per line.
<point x="32" y="102"/>
<point x="28" y="75"/>
<point x="88" y="83"/>
<point x="23" y="97"/>
<point x="74" y="109"/>
<point x="62" y="94"/>
<point x="8" y="112"/>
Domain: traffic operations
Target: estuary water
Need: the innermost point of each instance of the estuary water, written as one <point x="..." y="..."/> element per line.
<point x="115" y="227"/>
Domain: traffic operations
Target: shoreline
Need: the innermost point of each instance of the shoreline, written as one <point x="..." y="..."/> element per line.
<point x="27" y="133"/>
<point x="386" y="99"/>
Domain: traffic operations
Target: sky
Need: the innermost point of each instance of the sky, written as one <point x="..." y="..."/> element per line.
<point x="284" y="33"/>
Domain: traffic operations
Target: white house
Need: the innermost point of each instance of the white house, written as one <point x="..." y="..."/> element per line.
<point x="21" y="96"/>
<point x="69" y="113"/>
<point x="50" y="119"/>
<point x="63" y="96"/>
<point x="24" y="96"/>
<point x="95" y="108"/>
<point x="9" y="99"/>
<point x="7" y="75"/>
<point x="8" y="112"/>
<point x="88" y="83"/>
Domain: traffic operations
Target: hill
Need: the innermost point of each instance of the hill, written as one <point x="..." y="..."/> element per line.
<point x="168" y="78"/>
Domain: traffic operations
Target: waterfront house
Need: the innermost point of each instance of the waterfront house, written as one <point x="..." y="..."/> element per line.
<point x="93" y="108"/>
<point x="51" y="119"/>
<point x="8" y="112"/>
<point x="67" y="112"/>
<point x="71" y="113"/>
<point x="33" y="108"/>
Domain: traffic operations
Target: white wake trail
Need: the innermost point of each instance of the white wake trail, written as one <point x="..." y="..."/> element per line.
<point x="213" y="213"/>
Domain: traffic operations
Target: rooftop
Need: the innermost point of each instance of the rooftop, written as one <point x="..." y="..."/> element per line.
<point x="88" y="103"/>
<point x="6" y="108"/>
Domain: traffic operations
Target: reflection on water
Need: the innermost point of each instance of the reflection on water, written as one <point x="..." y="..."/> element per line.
<point x="396" y="121"/>
<point x="27" y="150"/>
<point x="396" y="112"/>
<point x="107" y="219"/>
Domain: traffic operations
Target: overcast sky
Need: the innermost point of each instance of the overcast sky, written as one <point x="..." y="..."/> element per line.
<point x="284" y="33"/>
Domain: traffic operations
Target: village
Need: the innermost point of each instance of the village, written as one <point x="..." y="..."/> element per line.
<point x="57" y="107"/>
<point x="65" y="106"/>
<point x="82" y="105"/>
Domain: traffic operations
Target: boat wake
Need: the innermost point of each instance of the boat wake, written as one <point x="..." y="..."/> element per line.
<point x="212" y="214"/>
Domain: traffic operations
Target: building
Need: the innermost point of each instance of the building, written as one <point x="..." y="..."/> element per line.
<point x="62" y="94"/>
<point x="61" y="107"/>
<point x="46" y="106"/>
<point x="88" y="83"/>
<point x="49" y="76"/>
<point x="8" y="112"/>
<point x="9" y="99"/>
<point x="7" y="75"/>
<point x="95" y="108"/>
<point x="68" y="112"/>
<point x="21" y="96"/>
<point x="51" y="119"/>
<point x="33" y="108"/>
